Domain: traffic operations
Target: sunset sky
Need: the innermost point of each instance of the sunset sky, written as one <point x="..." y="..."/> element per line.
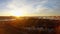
<point x="30" y="7"/>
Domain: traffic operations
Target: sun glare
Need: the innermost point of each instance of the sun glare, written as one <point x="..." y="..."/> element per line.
<point x="16" y="13"/>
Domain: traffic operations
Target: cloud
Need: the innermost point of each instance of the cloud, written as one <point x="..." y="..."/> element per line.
<point x="23" y="5"/>
<point x="34" y="7"/>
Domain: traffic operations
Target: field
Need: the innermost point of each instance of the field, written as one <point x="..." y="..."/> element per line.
<point x="30" y="25"/>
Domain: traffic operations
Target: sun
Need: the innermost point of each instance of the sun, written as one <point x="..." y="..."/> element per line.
<point x="17" y="13"/>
